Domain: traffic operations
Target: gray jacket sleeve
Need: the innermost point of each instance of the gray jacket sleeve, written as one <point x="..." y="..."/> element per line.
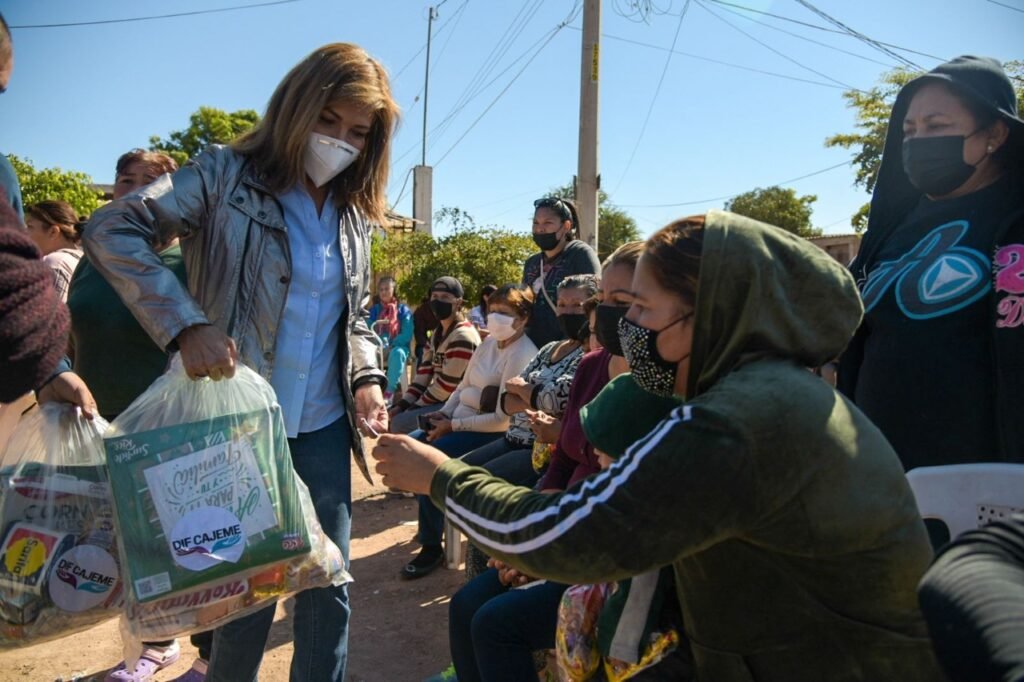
<point x="119" y="241"/>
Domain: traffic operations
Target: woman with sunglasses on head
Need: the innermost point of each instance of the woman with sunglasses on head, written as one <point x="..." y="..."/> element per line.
<point x="275" y="236"/>
<point x="555" y="230"/>
<point x="795" y="539"/>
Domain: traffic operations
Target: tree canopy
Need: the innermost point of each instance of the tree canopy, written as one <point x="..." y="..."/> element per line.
<point x="777" y="206"/>
<point x="208" y="125"/>
<point x="474" y="255"/>
<point x="872" y="111"/>
<point x="53" y="183"/>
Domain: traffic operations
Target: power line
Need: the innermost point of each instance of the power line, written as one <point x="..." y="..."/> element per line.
<point x="860" y="36"/>
<point x="159" y="16"/>
<point x="772" y="49"/>
<point x="551" y="37"/>
<point x="730" y="196"/>
<point x="822" y="28"/>
<point x="654" y="98"/>
<point x="719" y="61"/>
<point x="1003" y="4"/>
<point x="804" y="38"/>
<point x="420" y="51"/>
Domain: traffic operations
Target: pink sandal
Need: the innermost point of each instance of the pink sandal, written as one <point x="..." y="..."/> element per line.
<point x="153" y="659"/>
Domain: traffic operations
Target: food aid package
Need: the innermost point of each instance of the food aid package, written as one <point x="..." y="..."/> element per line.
<point x="213" y="522"/>
<point x="59" y="567"/>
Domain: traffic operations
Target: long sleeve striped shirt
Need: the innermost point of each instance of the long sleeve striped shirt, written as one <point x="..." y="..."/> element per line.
<point x="442" y="370"/>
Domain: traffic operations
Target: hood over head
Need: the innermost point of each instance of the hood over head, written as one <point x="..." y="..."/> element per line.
<point x="980" y="80"/>
<point x="764" y="292"/>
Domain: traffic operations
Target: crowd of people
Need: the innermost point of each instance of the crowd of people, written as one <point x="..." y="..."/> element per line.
<point x="642" y="452"/>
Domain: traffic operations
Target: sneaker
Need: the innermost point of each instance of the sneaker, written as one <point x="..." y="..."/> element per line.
<point x="429" y="558"/>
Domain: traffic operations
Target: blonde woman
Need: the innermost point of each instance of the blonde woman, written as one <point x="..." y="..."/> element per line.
<point x="275" y="235"/>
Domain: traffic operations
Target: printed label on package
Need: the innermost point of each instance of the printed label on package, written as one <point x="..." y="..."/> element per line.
<point x="205" y="537"/>
<point x="83" y="578"/>
<point x="225" y="475"/>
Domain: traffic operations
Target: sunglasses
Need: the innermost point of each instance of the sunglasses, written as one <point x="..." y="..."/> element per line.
<point x="556" y="204"/>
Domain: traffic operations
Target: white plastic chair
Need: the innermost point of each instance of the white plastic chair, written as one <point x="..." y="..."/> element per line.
<point x="967" y="496"/>
<point x="452" y="545"/>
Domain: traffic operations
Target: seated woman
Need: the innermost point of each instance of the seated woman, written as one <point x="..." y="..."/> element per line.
<point x="391" y="320"/>
<point x="473" y="416"/>
<point x="493" y="627"/>
<point x="543" y="385"/>
<point x="451" y="346"/>
<point x="795" y="539"/>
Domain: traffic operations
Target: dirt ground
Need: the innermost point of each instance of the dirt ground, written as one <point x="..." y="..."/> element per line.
<point x="399" y="629"/>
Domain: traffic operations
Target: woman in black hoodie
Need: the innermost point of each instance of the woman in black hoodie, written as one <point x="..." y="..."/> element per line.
<point x="938" y="361"/>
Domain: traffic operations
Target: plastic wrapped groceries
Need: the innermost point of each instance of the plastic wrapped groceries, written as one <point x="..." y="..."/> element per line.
<point x="59" y="567"/>
<point x="213" y="521"/>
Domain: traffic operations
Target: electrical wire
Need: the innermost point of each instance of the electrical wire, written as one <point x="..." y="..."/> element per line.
<point x="159" y="16"/>
<point x="860" y="36"/>
<point x="554" y="32"/>
<point x="730" y="196"/>
<point x="720" y="62"/>
<point x="773" y="50"/>
<point x="822" y="28"/>
<point x="804" y="38"/>
<point x="654" y="98"/>
<point x="1003" y="4"/>
<point x="499" y="96"/>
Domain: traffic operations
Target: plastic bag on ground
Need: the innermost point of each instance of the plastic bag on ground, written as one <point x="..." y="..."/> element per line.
<point x="213" y="521"/>
<point x="59" y="567"/>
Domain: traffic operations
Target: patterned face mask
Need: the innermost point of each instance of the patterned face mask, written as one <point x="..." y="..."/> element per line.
<point x="651" y="372"/>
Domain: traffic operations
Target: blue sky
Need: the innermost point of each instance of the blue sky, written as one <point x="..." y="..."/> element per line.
<point x="82" y="95"/>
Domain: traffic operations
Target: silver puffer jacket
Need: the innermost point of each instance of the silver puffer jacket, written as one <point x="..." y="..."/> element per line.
<point x="235" y="246"/>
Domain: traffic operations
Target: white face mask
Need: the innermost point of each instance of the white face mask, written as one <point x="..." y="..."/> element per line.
<point x="501" y="326"/>
<point x="326" y="157"/>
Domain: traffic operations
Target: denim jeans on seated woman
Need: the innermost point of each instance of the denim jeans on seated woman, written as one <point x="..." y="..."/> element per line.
<point x="322" y="460"/>
<point x="493" y="630"/>
<point x="506" y="460"/>
<point x="454" y="444"/>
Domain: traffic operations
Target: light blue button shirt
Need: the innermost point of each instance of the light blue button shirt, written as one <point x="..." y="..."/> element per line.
<point x="306" y="365"/>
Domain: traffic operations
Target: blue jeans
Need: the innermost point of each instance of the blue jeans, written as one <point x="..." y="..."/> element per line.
<point x="397" y="357"/>
<point x="493" y="631"/>
<point x="506" y="460"/>
<point x="320" y="621"/>
<point x="454" y="444"/>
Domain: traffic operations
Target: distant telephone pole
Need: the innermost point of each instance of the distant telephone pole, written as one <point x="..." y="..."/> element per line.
<point x="588" y="180"/>
<point x="423" y="175"/>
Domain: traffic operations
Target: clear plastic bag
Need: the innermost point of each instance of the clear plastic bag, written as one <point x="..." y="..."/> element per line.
<point x="213" y="521"/>
<point x="59" y="567"/>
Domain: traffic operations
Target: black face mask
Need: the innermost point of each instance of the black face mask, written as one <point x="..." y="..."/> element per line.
<point x="547" y="241"/>
<point x="442" y="309"/>
<point x="935" y="165"/>
<point x="607" y="327"/>
<point x="574" y="326"/>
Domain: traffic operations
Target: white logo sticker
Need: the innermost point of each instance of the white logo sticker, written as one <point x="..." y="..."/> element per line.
<point x="83" y="578"/>
<point x="205" y="537"/>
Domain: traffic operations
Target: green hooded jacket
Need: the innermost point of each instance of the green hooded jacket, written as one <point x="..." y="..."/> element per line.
<point x="796" y="541"/>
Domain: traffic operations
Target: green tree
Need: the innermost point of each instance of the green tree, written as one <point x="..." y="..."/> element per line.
<point x="873" y="109"/>
<point x="474" y="255"/>
<point x="53" y="183"/>
<point x="777" y="206"/>
<point x="615" y="227"/>
<point x="206" y="126"/>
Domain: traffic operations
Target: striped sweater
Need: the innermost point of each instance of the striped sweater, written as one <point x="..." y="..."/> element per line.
<point x="442" y="368"/>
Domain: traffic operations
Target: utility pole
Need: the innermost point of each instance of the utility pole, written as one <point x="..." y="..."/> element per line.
<point x="423" y="175"/>
<point x="588" y="180"/>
